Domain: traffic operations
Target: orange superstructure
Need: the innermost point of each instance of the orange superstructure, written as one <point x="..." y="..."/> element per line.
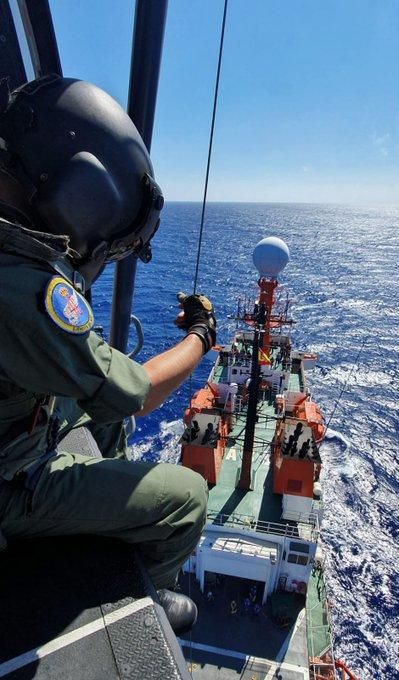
<point x="204" y="441"/>
<point x="202" y="401"/>
<point x="290" y="474"/>
<point x="293" y="476"/>
<point x="296" y="459"/>
<point x="205" y="460"/>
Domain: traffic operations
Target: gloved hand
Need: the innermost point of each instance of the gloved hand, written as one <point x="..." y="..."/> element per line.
<point x="197" y="318"/>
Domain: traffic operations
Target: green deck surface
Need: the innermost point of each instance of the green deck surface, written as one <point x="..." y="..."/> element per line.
<point x="259" y="504"/>
<point x="318" y="625"/>
<point x="220" y="374"/>
<point x="294" y="384"/>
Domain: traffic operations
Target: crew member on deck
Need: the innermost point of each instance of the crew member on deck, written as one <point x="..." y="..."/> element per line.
<point x="76" y="192"/>
<point x="233" y="608"/>
<point x="253" y="593"/>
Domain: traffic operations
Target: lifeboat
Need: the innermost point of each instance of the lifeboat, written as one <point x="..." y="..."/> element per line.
<point x="310" y="412"/>
<point x="202" y="401"/>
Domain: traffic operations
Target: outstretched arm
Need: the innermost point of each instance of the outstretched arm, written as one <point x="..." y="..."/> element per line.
<point x="167" y="371"/>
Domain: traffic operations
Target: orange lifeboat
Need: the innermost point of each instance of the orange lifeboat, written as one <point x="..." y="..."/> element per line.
<point x="202" y="400"/>
<point x="310" y="412"/>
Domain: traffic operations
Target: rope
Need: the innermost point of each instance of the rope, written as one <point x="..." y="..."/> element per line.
<point x="343" y="389"/>
<point x="358" y="355"/>
<point x="345" y="384"/>
<point x="210" y="146"/>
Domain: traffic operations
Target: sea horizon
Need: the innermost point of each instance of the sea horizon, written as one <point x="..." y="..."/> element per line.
<point x="371" y="204"/>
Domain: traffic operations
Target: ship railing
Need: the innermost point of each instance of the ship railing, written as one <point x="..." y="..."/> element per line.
<point x="308" y="531"/>
<point x="321" y="664"/>
<point x="303" y="517"/>
<point x="239" y="404"/>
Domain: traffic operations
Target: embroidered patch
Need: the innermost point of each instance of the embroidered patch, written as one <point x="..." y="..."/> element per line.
<point x="66" y="307"/>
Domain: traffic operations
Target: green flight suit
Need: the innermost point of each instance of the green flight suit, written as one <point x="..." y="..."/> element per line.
<point x="160" y="507"/>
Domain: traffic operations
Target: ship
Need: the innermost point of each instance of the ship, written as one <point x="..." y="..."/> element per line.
<point x="254" y="432"/>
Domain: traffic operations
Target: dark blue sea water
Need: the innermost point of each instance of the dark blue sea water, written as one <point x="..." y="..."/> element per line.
<point x="343" y="275"/>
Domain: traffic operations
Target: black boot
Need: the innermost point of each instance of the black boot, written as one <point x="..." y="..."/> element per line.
<point x="181" y="612"/>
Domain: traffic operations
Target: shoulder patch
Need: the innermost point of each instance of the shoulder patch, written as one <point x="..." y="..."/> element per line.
<point x="66" y="307"/>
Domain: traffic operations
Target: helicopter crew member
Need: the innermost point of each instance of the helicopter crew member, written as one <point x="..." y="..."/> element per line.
<point x="76" y="192"/>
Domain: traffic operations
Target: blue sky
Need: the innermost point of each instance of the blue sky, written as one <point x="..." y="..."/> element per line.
<point x="309" y="96"/>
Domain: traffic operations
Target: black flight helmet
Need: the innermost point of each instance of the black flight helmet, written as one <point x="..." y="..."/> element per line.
<point x="87" y="170"/>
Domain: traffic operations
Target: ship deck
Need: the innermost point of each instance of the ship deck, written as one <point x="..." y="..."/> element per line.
<point x="318" y="618"/>
<point x="229" y="504"/>
<point x="274" y="639"/>
<point x="249" y="645"/>
<point x="258" y="509"/>
<point x="296" y="384"/>
<point x="246" y="645"/>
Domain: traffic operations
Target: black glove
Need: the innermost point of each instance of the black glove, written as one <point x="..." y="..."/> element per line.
<point x="198" y="318"/>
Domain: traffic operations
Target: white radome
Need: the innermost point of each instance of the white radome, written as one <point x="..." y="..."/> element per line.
<point x="270" y="256"/>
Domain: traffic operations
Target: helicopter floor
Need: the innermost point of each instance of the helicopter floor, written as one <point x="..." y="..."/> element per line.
<point x="82" y="608"/>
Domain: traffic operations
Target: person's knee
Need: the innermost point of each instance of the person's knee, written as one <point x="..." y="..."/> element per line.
<point x="196" y="488"/>
<point x="199" y="492"/>
<point x="189" y="491"/>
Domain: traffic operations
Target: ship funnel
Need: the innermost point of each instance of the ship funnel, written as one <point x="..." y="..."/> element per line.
<point x="270" y="257"/>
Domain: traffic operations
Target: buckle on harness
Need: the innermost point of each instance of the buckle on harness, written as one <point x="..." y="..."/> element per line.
<point x="78" y="282"/>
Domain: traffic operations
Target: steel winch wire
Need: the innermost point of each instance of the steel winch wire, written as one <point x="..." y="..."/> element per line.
<point x="354" y="366"/>
<point x="208" y="165"/>
<point x="201" y="229"/>
<point x="343" y="389"/>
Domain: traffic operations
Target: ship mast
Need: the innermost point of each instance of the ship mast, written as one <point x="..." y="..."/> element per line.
<point x="244" y="481"/>
<point x="266" y="302"/>
<point x="270" y="257"/>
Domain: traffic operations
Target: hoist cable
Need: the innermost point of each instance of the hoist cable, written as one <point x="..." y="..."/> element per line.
<point x="337" y="401"/>
<point x="208" y="165"/>
<point x="346" y="383"/>
<point x="210" y="146"/>
<point x="354" y="365"/>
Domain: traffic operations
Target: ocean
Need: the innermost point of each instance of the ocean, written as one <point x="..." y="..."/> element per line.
<point x="343" y="279"/>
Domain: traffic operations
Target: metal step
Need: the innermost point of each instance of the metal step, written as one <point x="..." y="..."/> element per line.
<point x="82" y="608"/>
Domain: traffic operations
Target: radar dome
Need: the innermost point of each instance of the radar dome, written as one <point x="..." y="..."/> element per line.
<point x="270" y="256"/>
